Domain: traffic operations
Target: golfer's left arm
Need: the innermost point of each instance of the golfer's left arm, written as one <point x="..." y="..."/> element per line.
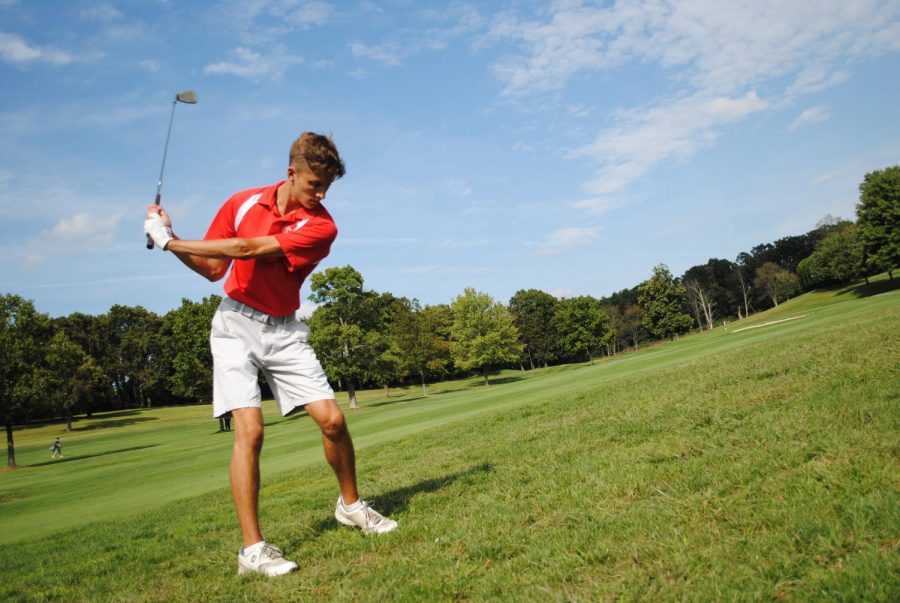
<point x="210" y="258"/>
<point x="228" y="249"/>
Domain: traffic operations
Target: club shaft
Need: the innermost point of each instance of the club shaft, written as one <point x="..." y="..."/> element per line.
<point x="162" y="168"/>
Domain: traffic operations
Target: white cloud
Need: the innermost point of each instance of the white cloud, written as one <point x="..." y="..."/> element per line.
<point x="253" y="65"/>
<point x="83" y="232"/>
<point x="101" y="12"/>
<point x="381" y="54"/>
<point x="565" y="240"/>
<point x="14" y="49"/>
<point x="721" y="47"/>
<point x="726" y="61"/>
<point x="262" y="21"/>
<point x="305" y="14"/>
<point x="437" y="29"/>
<point x="813" y="115"/>
<point x="598" y="205"/>
<point x="676" y="128"/>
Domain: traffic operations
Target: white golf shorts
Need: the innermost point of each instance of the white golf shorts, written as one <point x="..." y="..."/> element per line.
<point x="243" y="344"/>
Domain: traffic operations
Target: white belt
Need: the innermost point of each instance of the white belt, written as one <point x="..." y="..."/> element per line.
<point x="258" y="315"/>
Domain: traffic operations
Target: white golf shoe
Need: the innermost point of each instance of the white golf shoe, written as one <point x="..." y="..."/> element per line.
<point x="365" y="518"/>
<point x="268" y="561"/>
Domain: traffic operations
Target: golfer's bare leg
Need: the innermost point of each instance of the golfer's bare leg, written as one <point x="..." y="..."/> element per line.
<point x="338" y="445"/>
<point x="248" y="441"/>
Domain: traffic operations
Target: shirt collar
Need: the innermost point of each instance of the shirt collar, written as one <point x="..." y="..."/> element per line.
<point x="268" y="196"/>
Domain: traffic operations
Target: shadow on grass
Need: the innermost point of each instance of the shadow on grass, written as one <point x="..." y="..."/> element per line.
<point x="82" y="457"/>
<point x="496" y="381"/>
<point x="391" y="402"/>
<point x="397" y="501"/>
<point x="870" y="289"/>
<point x="79" y="419"/>
<point x="106" y="424"/>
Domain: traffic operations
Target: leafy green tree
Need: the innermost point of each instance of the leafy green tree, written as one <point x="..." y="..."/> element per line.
<point x="662" y="298"/>
<point x="134" y="348"/>
<point x="419" y="348"/>
<point x="812" y="272"/>
<point x="185" y="369"/>
<point x="385" y="366"/>
<point x="70" y="377"/>
<point x="89" y="333"/>
<point x="483" y="333"/>
<point x="532" y="312"/>
<point x="622" y="299"/>
<point x="878" y="218"/>
<point x="437" y="322"/>
<point x="778" y="283"/>
<point x="348" y="327"/>
<point x="618" y="329"/>
<point x="582" y="325"/>
<point x="633" y="319"/>
<point x="24" y="336"/>
<point x="838" y="259"/>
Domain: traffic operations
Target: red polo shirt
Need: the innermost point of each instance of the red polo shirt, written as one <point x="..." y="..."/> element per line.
<point x="272" y="284"/>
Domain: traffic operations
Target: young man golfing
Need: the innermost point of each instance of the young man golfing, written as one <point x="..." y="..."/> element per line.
<point x="272" y="238"/>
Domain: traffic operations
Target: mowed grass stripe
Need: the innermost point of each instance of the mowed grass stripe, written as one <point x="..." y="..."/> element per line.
<point x="763" y="468"/>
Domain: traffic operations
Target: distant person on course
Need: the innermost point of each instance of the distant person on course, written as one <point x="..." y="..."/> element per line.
<point x="56" y="449"/>
<point x="272" y="238"/>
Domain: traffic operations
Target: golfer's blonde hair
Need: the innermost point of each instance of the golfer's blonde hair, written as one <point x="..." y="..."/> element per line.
<point x="318" y="153"/>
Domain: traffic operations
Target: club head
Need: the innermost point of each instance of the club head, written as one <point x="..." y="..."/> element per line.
<point x="188" y="96"/>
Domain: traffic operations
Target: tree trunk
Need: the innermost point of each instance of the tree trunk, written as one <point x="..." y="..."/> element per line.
<point x="10" y="447"/>
<point x="422" y="378"/>
<point x="69" y="422"/>
<point x="387" y="394"/>
<point x="486" y="381"/>
<point x="744" y="291"/>
<point x="530" y="359"/>
<point x="708" y="310"/>
<point x="351" y="393"/>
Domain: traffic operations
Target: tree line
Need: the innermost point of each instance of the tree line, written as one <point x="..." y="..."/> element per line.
<point x="131" y="357"/>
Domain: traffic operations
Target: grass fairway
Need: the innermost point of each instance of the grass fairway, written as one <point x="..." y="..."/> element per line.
<point x="759" y="463"/>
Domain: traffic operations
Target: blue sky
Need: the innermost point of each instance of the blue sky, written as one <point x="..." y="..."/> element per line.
<point x="566" y="146"/>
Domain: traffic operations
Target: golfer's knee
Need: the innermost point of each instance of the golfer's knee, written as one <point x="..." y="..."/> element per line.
<point x="250" y="436"/>
<point x="334" y="425"/>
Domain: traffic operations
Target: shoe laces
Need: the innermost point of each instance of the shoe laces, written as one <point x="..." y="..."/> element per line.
<point x="270" y="551"/>
<point x="373" y="517"/>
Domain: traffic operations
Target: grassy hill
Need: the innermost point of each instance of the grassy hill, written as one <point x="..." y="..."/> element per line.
<point x="751" y="463"/>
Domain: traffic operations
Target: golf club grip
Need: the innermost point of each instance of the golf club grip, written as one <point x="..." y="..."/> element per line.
<point x="149" y="239"/>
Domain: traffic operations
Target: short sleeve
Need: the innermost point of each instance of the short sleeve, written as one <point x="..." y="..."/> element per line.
<point x="308" y="245"/>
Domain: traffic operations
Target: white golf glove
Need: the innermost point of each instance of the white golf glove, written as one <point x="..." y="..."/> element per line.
<point x="158" y="230"/>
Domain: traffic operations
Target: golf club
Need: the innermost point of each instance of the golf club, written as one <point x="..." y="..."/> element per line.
<point x="189" y="97"/>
